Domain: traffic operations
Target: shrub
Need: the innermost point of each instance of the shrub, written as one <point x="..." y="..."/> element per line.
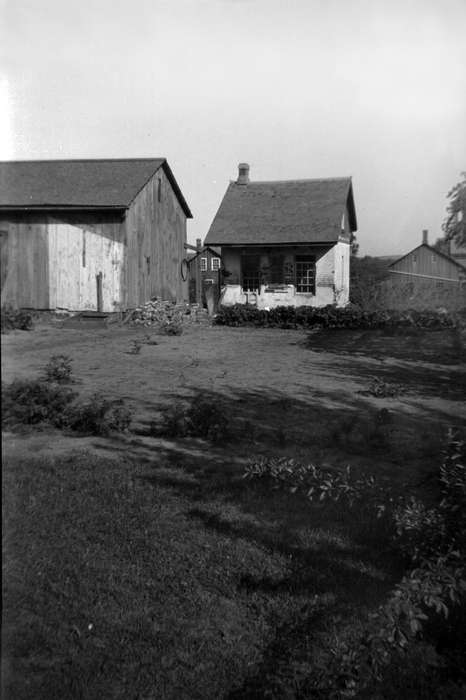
<point x="58" y="369"/>
<point x="350" y="317"/>
<point x="201" y="418"/>
<point x="382" y="389"/>
<point x="97" y="416"/>
<point x="12" y="319"/>
<point x="29" y="402"/>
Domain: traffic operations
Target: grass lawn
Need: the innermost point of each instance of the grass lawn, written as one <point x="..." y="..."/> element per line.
<point x="137" y="566"/>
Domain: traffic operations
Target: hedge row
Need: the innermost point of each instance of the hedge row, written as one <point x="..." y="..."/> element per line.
<point x="331" y="317"/>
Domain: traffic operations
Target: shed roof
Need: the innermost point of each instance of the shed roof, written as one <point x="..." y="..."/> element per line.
<point x="432" y="250"/>
<point x="79" y="184"/>
<point x="287" y="211"/>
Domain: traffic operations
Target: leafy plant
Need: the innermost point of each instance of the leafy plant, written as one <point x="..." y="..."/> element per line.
<point x="353" y="317"/>
<point x="381" y="389"/>
<point x="97" y="416"/>
<point x="201" y="418"/>
<point x="12" y="319"/>
<point x="29" y="402"/>
<point x="433" y="539"/>
<point x="59" y="369"/>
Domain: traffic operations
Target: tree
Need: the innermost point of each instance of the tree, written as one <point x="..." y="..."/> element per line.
<point x="354" y="245"/>
<point x="454" y="225"/>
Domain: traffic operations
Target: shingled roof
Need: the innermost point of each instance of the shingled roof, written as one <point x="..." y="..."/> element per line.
<point x="79" y="184"/>
<point x="283" y="212"/>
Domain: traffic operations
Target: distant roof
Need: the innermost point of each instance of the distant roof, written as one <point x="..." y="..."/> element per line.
<point x="79" y="184"/>
<point x="288" y="211"/>
<point x="433" y="250"/>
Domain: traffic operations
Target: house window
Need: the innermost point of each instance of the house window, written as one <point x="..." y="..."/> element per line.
<point x="215" y="262"/>
<point x="306" y="274"/>
<point x="203" y="264"/>
<point x="159" y="190"/>
<point x="250" y="272"/>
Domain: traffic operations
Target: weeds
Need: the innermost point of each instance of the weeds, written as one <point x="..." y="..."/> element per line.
<point x="172" y="326"/>
<point x="381" y="389"/>
<point x="31" y="402"/>
<point x="15" y="319"/>
<point x="97" y="416"/>
<point x="202" y="419"/>
<point x="59" y="369"/>
<point x="433" y="541"/>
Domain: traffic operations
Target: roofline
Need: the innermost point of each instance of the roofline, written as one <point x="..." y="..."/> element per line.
<point x="163" y="164"/>
<point x="304" y="179"/>
<point x="274" y="245"/>
<point x="63" y="207"/>
<point x="434" y="250"/>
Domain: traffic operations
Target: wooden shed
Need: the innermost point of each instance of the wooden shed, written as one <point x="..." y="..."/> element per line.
<point x="102" y="235"/>
<point x="428" y="263"/>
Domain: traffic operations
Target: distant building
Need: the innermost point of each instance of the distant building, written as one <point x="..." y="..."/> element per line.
<point x="204" y="271"/>
<point x="285" y="242"/>
<point x="97" y="235"/>
<point x="427" y="263"/>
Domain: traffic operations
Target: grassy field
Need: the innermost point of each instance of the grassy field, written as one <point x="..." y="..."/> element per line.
<point x="143" y="566"/>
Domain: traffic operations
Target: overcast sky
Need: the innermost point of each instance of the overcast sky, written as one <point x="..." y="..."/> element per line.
<point x="297" y="88"/>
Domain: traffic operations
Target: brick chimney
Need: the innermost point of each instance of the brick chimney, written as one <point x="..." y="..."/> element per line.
<point x="243" y="174"/>
<point x="424" y="236"/>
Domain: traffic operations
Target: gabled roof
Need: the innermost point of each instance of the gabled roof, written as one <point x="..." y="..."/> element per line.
<point x="79" y="184"/>
<point x="432" y="250"/>
<point x="281" y="212"/>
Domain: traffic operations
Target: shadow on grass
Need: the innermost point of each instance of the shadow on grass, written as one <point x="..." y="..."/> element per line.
<point x="410" y="344"/>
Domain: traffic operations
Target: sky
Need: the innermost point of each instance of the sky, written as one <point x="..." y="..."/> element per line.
<point x="296" y="88"/>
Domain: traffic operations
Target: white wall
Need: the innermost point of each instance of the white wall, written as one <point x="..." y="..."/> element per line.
<point x="73" y="284"/>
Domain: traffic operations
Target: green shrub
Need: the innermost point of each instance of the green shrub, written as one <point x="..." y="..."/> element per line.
<point x="201" y="418"/>
<point x="59" y="369"/>
<point x="97" y="416"/>
<point x="350" y="317"/>
<point x="381" y="389"/>
<point x="33" y="402"/>
<point x="12" y="319"/>
<point x="29" y="402"/>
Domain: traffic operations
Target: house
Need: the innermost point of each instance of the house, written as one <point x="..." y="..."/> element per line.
<point x="428" y="265"/>
<point x="98" y="235"/>
<point x="285" y="242"/>
<point x="204" y="271"/>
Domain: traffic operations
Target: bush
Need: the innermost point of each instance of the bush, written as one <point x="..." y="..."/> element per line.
<point x="29" y="402"/>
<point x="34" y="402"/>
<point x="202" y="419"/>
<point x="12" y="319"/>
<point x="58" y="369"/>
<point x="97" y="416"/>
<point x="350" y="317"/>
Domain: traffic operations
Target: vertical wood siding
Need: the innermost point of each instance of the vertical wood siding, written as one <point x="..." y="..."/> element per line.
<point x="25" y="262"/>
<point x="426" y="261"/>
<point x="80" y="251"/>
<point x="156" y="234"/>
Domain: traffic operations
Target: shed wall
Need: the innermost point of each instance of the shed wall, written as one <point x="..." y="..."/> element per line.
<point x="25" y="267"/>
<point x="426" y="261"/>
<point x="156" y="234"/>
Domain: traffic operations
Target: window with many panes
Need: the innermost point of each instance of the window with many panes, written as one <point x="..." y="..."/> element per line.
<point x="215" y="263"/>
<point x="305" y="274"/>
<point x="203" y="264"/>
